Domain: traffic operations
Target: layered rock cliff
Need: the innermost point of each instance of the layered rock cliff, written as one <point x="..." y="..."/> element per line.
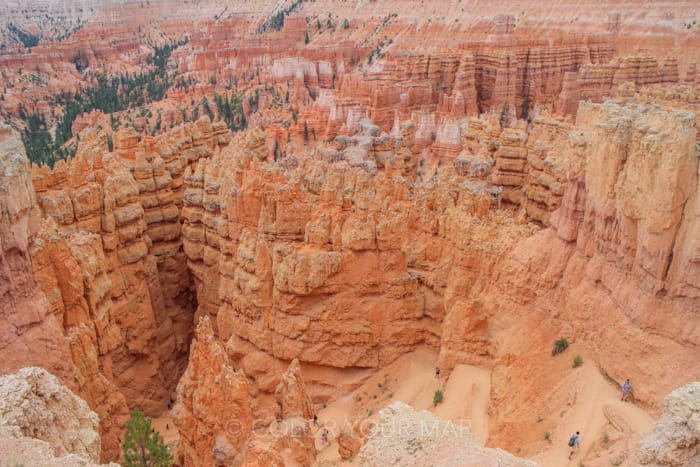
<point x="357" y="253"/>
<point x="30" y="333"/>
<point x="109" y="260"/>
<point x="616" y="268"/>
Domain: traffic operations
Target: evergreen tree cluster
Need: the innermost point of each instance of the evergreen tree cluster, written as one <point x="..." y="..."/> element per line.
<point x="37" y="140"/>
<point x="109" y="95"/>
<point x="276" y="21"/>
<point x="230" y="110"/>
<point x="27" y="39"/>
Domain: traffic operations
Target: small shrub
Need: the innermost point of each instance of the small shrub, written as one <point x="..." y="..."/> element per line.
<point x="578" y="361"/>
<point x="606" y="439"/>
<point x="437" y="398"/>
<point x="548" y="436"/>
<point x="390" y="395"/>
<point x="560" y="346"/>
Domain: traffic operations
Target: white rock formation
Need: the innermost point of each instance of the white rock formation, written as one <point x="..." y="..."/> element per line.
<point x="676" y="436"/>
<point x="34" y="404"/>
<point x="404" y="436"/>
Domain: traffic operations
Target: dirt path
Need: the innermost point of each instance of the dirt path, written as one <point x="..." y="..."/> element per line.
<point x="609" y="427"/>
<point x="165" y="426"/>
<point x="411" y="379"/>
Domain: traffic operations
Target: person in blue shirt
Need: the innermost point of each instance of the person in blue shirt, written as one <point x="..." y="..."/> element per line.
<point x="573" y="443"/>
<point x="626" y="388"/>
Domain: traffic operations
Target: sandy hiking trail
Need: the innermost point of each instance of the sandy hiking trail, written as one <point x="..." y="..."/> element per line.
<point x="610" y="428"/>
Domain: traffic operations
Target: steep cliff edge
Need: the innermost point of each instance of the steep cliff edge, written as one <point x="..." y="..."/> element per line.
<point x="29" y="332"/>
<point x="108" y="257"/>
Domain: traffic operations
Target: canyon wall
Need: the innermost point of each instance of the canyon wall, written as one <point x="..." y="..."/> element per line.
<point x="31" y="334"/>
<point x="111" y="265"/>
<point x="394" y="258"/>
<point x="617" y="269"/>
<point x="328" y="258"/>
<point x="100" y="285"/>
<point x="356" y="252"/>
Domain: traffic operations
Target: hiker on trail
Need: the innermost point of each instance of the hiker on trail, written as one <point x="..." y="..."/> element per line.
<point x="316" y="420"/>
<point x="437" y="372"/>
<point x="324" y="437"/>
<point x="573" y="443"/>
<point x="626" y="388"/>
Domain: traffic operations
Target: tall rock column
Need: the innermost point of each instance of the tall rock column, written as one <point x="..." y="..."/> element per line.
<point x="212" y="412"/>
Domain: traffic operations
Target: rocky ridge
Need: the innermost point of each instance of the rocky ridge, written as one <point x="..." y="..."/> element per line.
<point x="674" y="440"/>
<point x="43" y="423"/>
<point x="30" y="333"/>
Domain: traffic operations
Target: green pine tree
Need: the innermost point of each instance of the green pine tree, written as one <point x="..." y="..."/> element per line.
<point x="144" y="447"/>
<point x="206" y="108"/>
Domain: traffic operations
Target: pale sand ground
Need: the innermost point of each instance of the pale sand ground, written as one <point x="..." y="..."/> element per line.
<point x="411" y="379"/>
<point x="595" y="412"/>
